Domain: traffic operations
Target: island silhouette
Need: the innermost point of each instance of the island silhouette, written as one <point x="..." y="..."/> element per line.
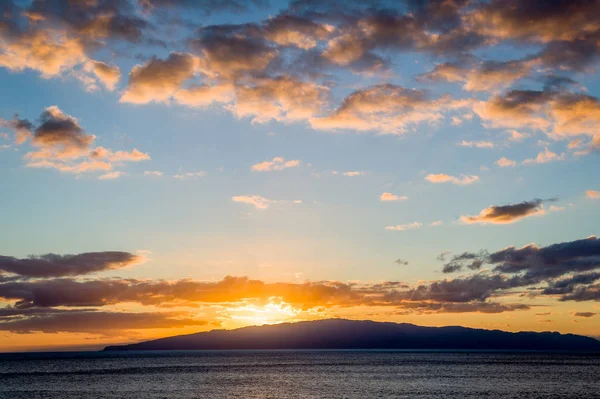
<point x="355" y="334"/>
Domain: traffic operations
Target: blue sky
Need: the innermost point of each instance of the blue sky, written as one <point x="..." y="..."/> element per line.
<point x="421" y="120"/>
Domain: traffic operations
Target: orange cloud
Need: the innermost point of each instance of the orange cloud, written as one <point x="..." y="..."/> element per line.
<point x="255" y="200"/>
<point x="505" y="163"/>
<point x="205" y="95"/>
<point x="385" y="197"/>
<point x="593" y="194"/>
<point x="282" y="98"/>
<point x="444" y="178"/>
<point x="158" y="80"/>
<point x="108" y="75"/>
<point x="506" y="214"/>
<point x="61" y="143"/>
<point x="388" y="109"/>
<point x="545" y="157"/>
<point x="278" y="163"/>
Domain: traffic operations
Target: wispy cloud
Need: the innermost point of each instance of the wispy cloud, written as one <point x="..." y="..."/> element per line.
<point x="277" y="163"/>
<point x="402" y="227"/>
<point x="444" y="178"/>
<point x="593" y="194"/>
<point x="190" y="175"/>
<point x="386" y="197"/>
<point x="476" y="144"/>
<point x="111" y="175"/>
<point x="353" y="173"/>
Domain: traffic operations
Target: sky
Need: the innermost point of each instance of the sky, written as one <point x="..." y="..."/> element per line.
<point x="175" y="166"/>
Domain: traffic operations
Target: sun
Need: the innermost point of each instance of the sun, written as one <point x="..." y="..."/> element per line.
<point x="269" y="313"/>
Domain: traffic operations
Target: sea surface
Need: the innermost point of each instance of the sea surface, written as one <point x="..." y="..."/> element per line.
<point x="298" y="374"/>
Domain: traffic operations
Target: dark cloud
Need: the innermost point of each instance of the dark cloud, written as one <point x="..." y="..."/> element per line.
<point x="472" y="307"/>
<point x="157" y="79"/>
<point x="92" y="20"/>
<point x="96" y="322"/>
<point x="504" y="214"/>
<point x="62" y="132"/>
<point x="551" y="261"/>
<point x="22" y="127"/>
<point x="206" y="7"/>
<point x="526" y="266"/>
<point x="232" y="50"/>
<point x="236" y="290"/>
<point x="52" y="265"/>
<point x="555" y="111"/>
<point x="583" y="293"/>
<point x="570" y="284"/>
<point x="585" y="314"/>
<point x="472" y="261"/>
<point x="478" y="287"/>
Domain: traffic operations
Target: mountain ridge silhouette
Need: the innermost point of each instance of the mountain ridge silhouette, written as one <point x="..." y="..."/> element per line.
<point x="364" y="334"/>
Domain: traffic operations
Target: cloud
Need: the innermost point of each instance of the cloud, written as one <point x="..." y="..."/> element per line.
<point x="39" y="297"/>
<point x="570" y="284"/>
<point x="486" y="76"/>
<point x="593" y="194"/>
<point x="108" y="75"/>
<point x="206" y="7"/>
<point x="473" y="288"/>
<point x="505" y="163"/>
<point x="96" y="322"/>
<point x="232" y="51"/>
<point x="506" y="214"/>
<point x="558" y="113"/>
<point x="577" y="262"/>
<point x="255" y="200"/>
<point x="49" y="52"/>
<point x="111" y="175"/>
<point x="402" y="227"/>
<point x="536" y="21"/>
<point x="59" y="135"/>
<point x="386" y="197"/>
<point x="154" y="173"/>
<point x="189" y="175"/>
<point x="205" y="95"/>
<point x="278" y="163"/>
<point x="476" y="144"/>
<point x="53" y="265"/>
<point x="158" y="80"/>
<point x="472" y="261"/>
<point x="58" y="39"/>
<point x="354" y="173"/>
<point x="292" y="30"/>
<point x="584" y="314"/>
<point x="444" y="178"/>
<point x="387" y="109"/>
<point x="544" y="157"/>
<point x="22" y="127"/>
<point x="119" y="156"/>
<point x="282" y="98"/>
<point x="61" y="143"/>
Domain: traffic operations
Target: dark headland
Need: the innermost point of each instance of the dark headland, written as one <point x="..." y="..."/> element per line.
<point x="350" y="334"/>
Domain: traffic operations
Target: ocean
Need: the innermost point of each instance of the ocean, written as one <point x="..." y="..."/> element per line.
<point x="298" y="374"/>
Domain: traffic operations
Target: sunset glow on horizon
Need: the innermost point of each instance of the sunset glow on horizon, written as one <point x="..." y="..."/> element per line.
<point x="171" y="166"/>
